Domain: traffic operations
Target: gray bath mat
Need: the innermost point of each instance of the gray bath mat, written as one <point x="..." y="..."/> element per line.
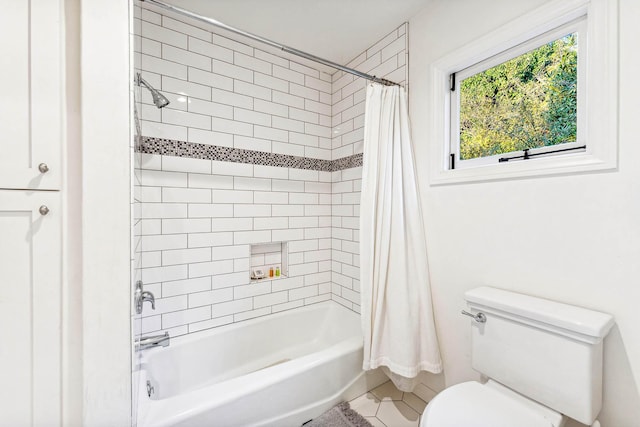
<point x="340" y="415"/>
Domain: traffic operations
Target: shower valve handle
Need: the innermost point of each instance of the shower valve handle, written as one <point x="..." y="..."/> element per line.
<point x="140" y="296"/>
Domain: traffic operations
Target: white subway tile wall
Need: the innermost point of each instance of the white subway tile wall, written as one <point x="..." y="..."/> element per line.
<point x="197" y="244"/>
<point x="224" y="92"/>
<point x="388" y="59"/>
<point x="196" y="220"/>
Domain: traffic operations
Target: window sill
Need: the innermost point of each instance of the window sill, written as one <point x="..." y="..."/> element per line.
<point x="566" y="164"/>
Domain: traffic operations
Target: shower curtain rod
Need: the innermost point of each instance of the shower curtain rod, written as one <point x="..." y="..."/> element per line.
<point x="271" y="43"/>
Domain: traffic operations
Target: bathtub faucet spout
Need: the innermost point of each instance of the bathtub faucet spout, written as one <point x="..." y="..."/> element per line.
<point x="144" y="343"/>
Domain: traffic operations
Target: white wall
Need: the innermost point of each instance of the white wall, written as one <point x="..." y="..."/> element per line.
<point x="573" y="239"/>
<point x="104" y="200"/>
<point x="72" y="231"/>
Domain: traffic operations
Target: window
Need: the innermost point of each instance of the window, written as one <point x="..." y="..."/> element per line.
<point x="537" y="96"/>
<point x="520" y="104"/>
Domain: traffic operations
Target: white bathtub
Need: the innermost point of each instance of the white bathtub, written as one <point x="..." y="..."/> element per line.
<point x="280" y="370"/>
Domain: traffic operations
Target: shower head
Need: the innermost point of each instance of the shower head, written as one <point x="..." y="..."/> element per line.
<point x="158" y="99"/>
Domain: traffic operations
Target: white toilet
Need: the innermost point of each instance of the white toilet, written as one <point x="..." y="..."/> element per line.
<point x="543" y="360"/>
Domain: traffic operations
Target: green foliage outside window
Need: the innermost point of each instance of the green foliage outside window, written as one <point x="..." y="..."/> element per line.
<point x="527" y="102"/>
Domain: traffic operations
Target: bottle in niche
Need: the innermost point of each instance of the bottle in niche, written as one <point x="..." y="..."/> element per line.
<point x="270" y="271"/>
<point x="277" y="271"/>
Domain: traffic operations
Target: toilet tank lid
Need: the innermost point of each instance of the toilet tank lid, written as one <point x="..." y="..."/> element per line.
<point x="576" y="319"/>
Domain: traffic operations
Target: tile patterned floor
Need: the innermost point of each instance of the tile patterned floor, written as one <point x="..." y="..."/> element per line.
<point x="386" y="406"/>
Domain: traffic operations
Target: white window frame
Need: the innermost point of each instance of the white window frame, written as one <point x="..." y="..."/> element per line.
<point x="578" y="26"/>
<point x="596" y="23"/>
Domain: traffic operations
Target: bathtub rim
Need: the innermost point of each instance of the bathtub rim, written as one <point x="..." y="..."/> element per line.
<point x="144" y="355"/>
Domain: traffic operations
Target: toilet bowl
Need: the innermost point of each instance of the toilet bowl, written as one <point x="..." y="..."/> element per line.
<point x="543" y="360"/>
<point x="472" y="404"/>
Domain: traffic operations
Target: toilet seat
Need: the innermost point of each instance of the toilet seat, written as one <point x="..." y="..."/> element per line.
<point x="486" y="405"/>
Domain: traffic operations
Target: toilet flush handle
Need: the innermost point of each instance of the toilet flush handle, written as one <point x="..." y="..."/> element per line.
<point x="480" y="317"/>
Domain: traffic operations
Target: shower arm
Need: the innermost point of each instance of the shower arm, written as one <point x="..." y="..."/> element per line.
<point x="271" y="43"/>
<point x="142" y="82"/>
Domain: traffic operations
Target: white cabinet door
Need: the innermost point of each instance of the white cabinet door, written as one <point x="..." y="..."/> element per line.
<point x="30" y="308"/>
<point x="30" y="93"/>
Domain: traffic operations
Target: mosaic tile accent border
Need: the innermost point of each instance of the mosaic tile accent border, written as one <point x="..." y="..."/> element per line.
<point x="172" y="147"/>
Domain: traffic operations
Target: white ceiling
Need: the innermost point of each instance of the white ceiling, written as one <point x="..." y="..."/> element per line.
<point x="337" y="30"/>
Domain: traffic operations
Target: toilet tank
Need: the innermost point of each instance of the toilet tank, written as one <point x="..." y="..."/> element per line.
<point x="548" y="351"/>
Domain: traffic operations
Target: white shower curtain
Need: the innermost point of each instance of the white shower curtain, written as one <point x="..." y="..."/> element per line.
<point x="397" y="314"/>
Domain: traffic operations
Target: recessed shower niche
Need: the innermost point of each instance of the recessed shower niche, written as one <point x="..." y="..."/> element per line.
<point x="269" y="261"/>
